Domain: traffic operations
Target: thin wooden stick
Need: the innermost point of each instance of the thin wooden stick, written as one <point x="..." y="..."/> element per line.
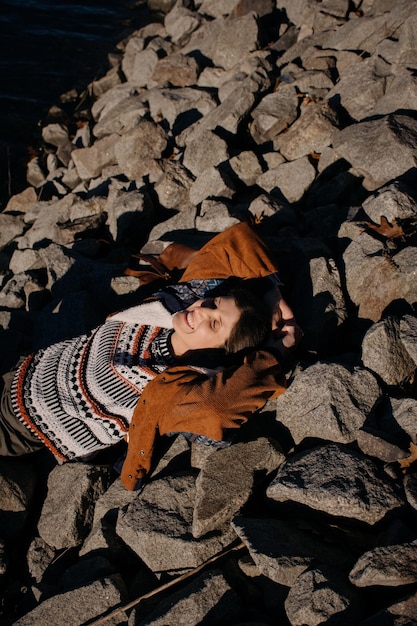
<point x="171" y="583"/>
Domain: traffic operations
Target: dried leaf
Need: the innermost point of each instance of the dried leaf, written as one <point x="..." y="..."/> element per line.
<point x="405" y="463"/>
<point x="306" y="98"/>
<point x="386" y="229"/>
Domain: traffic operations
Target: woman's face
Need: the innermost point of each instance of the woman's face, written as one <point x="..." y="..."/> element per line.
<point x="205" y="324"/>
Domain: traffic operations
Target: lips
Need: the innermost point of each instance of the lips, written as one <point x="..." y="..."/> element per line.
<point x="189" y="319"/>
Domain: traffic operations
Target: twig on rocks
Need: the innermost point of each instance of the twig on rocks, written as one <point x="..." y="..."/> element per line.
<point x="171" y="583"/>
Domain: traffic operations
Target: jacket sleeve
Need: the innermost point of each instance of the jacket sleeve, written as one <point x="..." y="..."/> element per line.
<point x="237" y="251"/>
<point x="183" y="400"/>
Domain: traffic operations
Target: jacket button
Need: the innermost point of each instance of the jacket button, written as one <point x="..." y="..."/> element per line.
<point x="142" y="451"/>
<point x="144" y="401"/>
<point x="130" y="475"/>
<point x="163" y="379"/>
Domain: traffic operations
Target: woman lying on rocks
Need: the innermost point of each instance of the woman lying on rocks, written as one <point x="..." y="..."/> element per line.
<point x="161" y="366"/>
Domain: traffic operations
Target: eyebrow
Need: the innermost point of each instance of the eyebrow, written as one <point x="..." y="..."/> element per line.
<point x="217" y="302"/>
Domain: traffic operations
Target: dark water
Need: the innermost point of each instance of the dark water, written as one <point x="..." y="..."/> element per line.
<point x="49" y="47"/>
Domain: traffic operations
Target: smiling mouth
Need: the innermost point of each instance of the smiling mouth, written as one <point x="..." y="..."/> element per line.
<point x="189" y="319"/>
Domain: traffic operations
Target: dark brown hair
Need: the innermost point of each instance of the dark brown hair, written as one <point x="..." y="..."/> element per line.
<point x="253" y="325"/>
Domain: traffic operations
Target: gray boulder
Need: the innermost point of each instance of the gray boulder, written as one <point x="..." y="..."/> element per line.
<point x="206" y="150"/>
<point x="328" y="401"/>
<point x="274" y="113"/>
<point x="386" y="566"/>
<point x="281" y="549"/>
<point x="376" y="277"/>
<point x="227" y="480"/>
<point x="18" y="483"/>
<point x="338" y="481"/>
<point x="68" y="509"/>
<point x="384" y="353"/>
<point x="361" y="87"/>
<point x="404" y="610"/>
<point x="207" y="597"/>
<point x="81" y="605"/>
<point x="179" y="107"/>
<point x="157" y="526"/>
<point x="122" y="118"/>
<point x="321" y="594"/>
<point x="91" y="161"/>
<point x="177" y="69"/>
<point x="289" y="180"/>
<point x="379" y="149"/>
<point x="137" y="151"/>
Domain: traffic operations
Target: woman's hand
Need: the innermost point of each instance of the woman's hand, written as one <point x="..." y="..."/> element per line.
<point x="286" y="334"/>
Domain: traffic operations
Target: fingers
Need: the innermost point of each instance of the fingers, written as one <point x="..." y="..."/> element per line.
<point x="287" y="337"/>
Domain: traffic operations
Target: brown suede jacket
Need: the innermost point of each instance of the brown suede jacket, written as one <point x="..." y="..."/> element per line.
<point x="183" y="400"/>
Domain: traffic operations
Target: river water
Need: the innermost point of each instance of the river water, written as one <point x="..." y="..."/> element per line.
<point x="50" y="47"/>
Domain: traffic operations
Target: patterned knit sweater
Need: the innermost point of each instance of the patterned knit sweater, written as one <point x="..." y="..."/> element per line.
<point x="78" y="395"/>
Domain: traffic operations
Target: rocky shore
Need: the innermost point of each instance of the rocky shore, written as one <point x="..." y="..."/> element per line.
<point x="300" y="116"/>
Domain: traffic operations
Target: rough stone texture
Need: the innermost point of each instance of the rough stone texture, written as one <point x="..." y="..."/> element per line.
<point x="173" y="187"/>
<point x="91" y="161"/>
<point x="346" y="485"/>
<point x="212" y="182"/>
<point x="226" y="482"/>
<point x="384" y="353"/>
<point x="392" y="201"/>
<point x="403" y="611"/>
<point x="122" y="118"/>
<point x="179" y="107"/>
<point x="376" y="279"/>
<point x="311" y="132"/>
<point x="177" y="69"/>
<point x="40" y="556"/>
<point x="10" y="228"/>
<point x="394" y="141"/>
<point x="318" y="595"/>
<point x="128" y="214"/>
<point x="102" y="536"/>
<point x="360" y="99"/>
<point x="274" y="114"/>
<point x="67" y="512"/>
<point x="79" y="605"/>
<point x="208" y="597"/>
<point x="281" y="550"/>
<point x="207" y="150"/>
<point x="157" y="526"/>
<point x="386" y="566"/>
<point x="136" y="151"/>
<point x="320" y="286"/>
<point x="328" y="401"/>
<point x="408" y="335"/>
<point x="291" y="179"/>
<point x="18" y="484"/>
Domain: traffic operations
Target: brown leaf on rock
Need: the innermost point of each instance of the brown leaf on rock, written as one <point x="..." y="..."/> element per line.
<point x="406" y="463"/>
<point x="386" y="229"/>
